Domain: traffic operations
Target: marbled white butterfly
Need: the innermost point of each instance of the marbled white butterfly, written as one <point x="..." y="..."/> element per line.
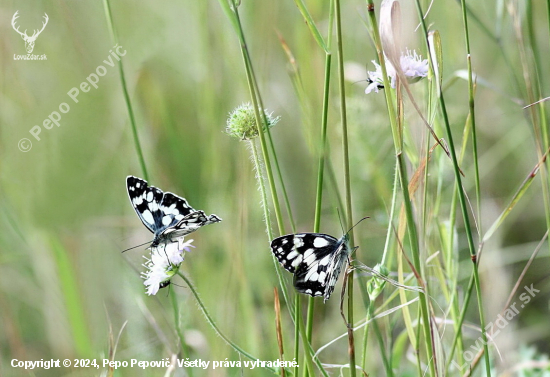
<point x="165" y="214"/>
<point x="315" y="259"/>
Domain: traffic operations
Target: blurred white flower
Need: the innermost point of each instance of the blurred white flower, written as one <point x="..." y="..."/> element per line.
<point x="412" y="65"/>
<point x="376" y="80"/>
<point x="156" y="277"/>
<point x="165" y="261"/>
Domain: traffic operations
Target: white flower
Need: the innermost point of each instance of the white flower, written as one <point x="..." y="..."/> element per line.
<point x="155" y="276"/>
<point x="165" y="261"/>
<point x="375" y="79"/>
<point x="412" y="65"/>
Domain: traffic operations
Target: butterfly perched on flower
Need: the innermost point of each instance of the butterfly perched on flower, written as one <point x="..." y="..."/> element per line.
<point x="167" y="215"/>
<point x="315" y="259"/>
<point x="163" y="263"/>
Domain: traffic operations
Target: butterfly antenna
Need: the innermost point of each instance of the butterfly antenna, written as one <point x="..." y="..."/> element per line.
<point x="357" y="223"/>
<point x="136" y="246"/>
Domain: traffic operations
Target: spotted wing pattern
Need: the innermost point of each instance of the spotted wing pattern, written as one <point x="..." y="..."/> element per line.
<point x="189" y="224"/>
<point x="315" y="259"/>
<point x="165" y="214"/>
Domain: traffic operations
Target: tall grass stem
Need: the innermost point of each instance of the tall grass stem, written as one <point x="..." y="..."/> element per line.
<point x="407" y="203"/>
<point x="215" y="327"/>
<point x="127" y="100"/>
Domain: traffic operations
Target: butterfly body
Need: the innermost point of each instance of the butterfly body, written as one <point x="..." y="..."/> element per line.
<point x="166" y="215"/>
<point x="315" y="259"/>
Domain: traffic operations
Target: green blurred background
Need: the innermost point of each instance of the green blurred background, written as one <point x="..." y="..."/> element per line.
<point x="65" y="215"/>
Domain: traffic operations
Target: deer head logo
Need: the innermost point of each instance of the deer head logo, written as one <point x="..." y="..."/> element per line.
<point x="29" y="41"/>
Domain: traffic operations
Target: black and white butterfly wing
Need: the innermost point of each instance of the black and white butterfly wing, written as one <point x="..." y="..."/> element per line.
<point x="294" y="249"/>
<point x="189" y="224"/>
<point x="145" y="201"/>
<point x="173" y="209"/>
<point x="165" y="214"/>
<point x="319" y="277"/>
<point x="316" y="260"/>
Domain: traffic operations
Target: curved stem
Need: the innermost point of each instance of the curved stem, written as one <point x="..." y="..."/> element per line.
<point x="215" y="327"/>
<point x="183" y="346"/>
<point x="135" y="135"/>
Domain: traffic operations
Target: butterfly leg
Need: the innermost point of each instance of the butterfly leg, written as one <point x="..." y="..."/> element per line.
<point x="156" y="250"/>
<point x="344" y="286"/>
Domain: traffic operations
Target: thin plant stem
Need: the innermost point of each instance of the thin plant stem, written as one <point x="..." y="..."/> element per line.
<point x="72" y="298"/>
<point x="411" y="225"/>
<point x="498" y="222"/>
<point x="261" y="119"/>
<point x="343" y="119"/>
<point x="393" y="206"/>
<point x="497" y="39"/>
<point x="183" y="347"/>
<point x="278" y="328"/>
<point x="545" y="177"/>
<point x="418" y="333"/>
<point x="311" y="24"/>
<point x="261" y="184"/>
<point x="137" y="144"/>
<point x="461" y="195"/>
<point x="387" y="244"/>
<point x="368" y="316"/>
<point x="385" y="361"/>
<point x="274" y="154"/>
<point x="322" y="156"/>
<point x="234" y="18"/>
<point x="512" y="294"/>
<point x="468" y="230"/>
<point x="471" y="114"/>
<point x="233" y="15"/>
<point x="324" y="123"/>
<point x="297" y="316"/>
<point x="347" y="180"/>
<point x="280" y="176"/>
<point x="458" y="326"/>
<point x="215" y="327"/>
<point x="450" y="261"/>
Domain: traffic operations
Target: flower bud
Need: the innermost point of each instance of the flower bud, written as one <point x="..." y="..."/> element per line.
<point x="376" y="284"/>
<point x="242" y="122"/>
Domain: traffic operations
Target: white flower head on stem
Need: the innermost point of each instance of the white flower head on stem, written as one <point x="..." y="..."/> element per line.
<point x="376" y="79"/>
<point x="165" y="261"/>
<point x="413" y="66"/>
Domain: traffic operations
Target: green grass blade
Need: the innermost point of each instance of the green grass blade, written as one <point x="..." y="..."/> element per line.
<point x="311" y="24"/>
<point x="73" y="303"/>
<point x="127" y="100"/>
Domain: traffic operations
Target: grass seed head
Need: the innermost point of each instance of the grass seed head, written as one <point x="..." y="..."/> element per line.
<point x="242" y="122"/>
